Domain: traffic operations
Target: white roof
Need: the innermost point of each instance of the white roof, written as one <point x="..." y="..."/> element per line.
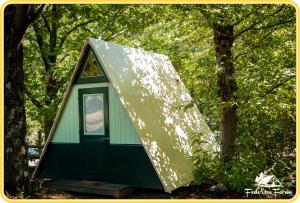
<point x="152" y="93"/>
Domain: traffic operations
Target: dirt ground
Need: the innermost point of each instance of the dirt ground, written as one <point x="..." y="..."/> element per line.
<point x="190" y="192"/>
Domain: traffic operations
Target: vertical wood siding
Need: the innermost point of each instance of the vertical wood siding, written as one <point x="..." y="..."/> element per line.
<point x="68" y="129"/>
<point x="121" y="128"/>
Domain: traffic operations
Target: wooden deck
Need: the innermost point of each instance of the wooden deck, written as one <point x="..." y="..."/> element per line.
<point x="91" y="187"/>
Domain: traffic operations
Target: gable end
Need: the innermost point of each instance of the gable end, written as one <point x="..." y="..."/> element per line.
<point x="88" y="58"/>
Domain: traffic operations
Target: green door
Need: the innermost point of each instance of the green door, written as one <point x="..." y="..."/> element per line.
<point x="94" y="132"/>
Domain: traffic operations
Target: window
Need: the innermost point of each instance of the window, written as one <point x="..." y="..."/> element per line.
<point x="91" y="68"/>
<point x="93" y="114"/>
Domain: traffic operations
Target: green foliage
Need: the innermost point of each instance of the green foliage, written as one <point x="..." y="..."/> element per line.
<point x="204" y="167"/>
<point x="240" y="174"/>
<point x="264" y="58"/>
<point x="266" y="80"/>
<point x="205" y="162"/>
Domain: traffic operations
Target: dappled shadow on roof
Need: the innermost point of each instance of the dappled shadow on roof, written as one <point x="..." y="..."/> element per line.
<point x="154" y="96"/>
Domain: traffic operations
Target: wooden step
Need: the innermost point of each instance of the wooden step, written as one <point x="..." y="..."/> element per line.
<point x="91" y="187"/>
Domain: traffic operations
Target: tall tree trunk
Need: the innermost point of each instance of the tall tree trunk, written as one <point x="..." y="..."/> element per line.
<point x="17" y="18"/>
<point x="15" y="161"/>
<point x="223" y="38"/>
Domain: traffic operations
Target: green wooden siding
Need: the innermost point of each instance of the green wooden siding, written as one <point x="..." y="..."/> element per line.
<point x="67" y="129"/>
<point x="121" y="128"/>
<point x="129" y="164"/>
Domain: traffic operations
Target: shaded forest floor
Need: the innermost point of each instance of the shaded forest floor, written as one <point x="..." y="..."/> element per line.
<point x="203" y="191"/>
<point x="137" y="194"/>
<point x="190" y="192"/>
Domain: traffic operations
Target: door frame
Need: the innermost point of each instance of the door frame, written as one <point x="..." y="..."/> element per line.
<point x="96" y="138"/>
<point x="94" y="90"/>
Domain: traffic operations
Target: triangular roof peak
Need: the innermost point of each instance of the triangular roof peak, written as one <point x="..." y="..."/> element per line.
<point x="90" y="69"/>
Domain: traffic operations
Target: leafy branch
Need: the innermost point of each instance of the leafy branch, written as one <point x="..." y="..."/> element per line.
<point x="32" y="98"/>
<point x="253" y="26"/>
<point x="65" y="36"/>
<point x="112" y="21"/>
<point x="272" y="89"/>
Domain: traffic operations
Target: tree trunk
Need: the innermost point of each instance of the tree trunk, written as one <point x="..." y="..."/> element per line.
<point x="223" y="38"/>
<point x="15" y="160"/>
<point x="17" y="18"/>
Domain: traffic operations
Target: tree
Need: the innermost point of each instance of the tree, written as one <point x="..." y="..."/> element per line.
<point x="228" y="24"/>
<point x="17" y="18"/>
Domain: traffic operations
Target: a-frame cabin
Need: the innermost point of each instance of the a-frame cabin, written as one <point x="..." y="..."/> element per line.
<point x="122" y="121"/>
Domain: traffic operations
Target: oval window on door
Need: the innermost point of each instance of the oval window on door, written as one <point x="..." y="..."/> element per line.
<point x="93" y="114"/>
